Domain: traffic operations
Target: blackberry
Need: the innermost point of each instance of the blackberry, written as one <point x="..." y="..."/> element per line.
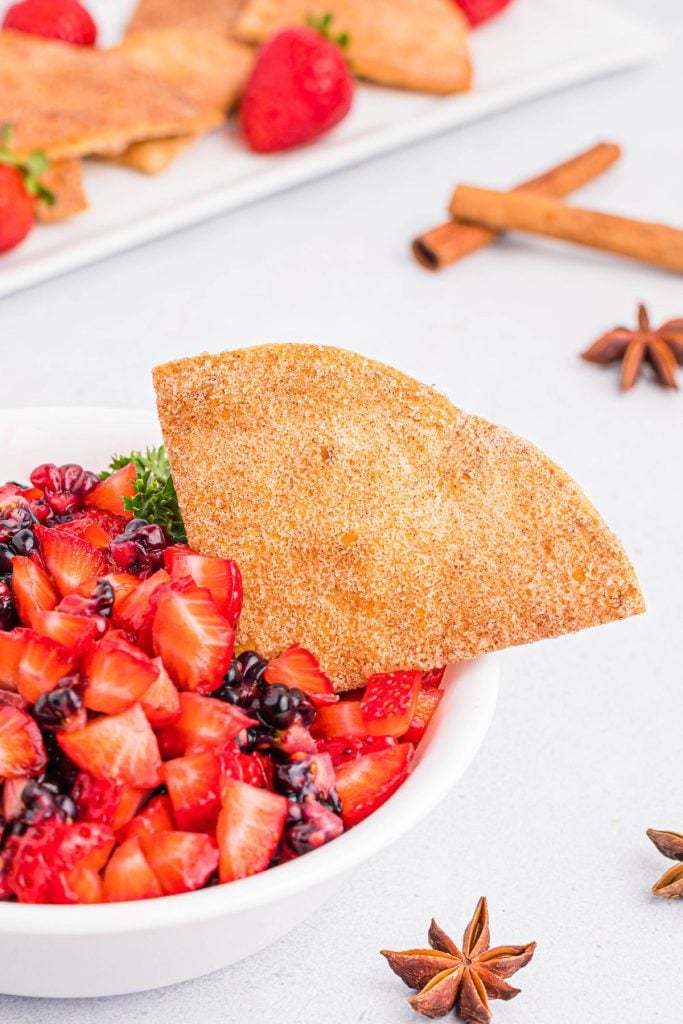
<point x="14" y="520"/>
<point x="42" y="799"/>
<point x="24" y="542"/>
<point x="8" y="612"/>
<point x="53" y="709"/>
<point x="281" y="706"/>
<point x="59" y="766"/>
<point x="140" y="548"/>
<point x="308" y="826"/>
<point x="256" y="737"/>
<point x="6" y="556"/>
<point x="64" y="488"/>
<point x="252" y="666"/>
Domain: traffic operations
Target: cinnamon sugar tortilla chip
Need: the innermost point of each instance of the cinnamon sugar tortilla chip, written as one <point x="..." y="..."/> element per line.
<point x="74" y="100"/>
<point x="204" y="67"/>
<point x="375" y="523"/>
<point x="412" y="44"/>
<point x="154" y="156"/>
<point x="65" y="180"/>
<point x="216" y="16"/>
<point x="207" y="68"/>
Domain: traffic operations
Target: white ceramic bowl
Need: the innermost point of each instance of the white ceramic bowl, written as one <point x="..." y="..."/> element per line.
<point x="127" y="947"/>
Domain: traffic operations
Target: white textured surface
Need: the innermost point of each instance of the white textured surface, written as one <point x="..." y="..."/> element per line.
<point x="585" y="750"/>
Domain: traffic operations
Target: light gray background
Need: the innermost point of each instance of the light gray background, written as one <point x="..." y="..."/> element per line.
<point x="585" y="750"/>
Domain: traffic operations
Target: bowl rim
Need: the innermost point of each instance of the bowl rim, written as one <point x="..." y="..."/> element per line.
<point x="450" y="744"/>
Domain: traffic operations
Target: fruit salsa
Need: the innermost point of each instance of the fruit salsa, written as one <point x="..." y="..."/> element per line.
<point x="141" y="755"/>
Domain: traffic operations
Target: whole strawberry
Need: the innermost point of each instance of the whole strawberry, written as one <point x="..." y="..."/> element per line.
<point x="300" y="87"/>
<point x="477" y="11"/>
<point x="66" y="20"/>
<point x="20" y="189"/>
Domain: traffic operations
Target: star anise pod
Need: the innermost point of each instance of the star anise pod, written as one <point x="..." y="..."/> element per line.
<point x="670" y="885"/>
<point x="662" y="348"/>
<point x="464" y="980"/>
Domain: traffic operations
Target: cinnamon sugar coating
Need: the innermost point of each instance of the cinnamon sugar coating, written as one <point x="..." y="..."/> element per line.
<point x="374" y="522"/>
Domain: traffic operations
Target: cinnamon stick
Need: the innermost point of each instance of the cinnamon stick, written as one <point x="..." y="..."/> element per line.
<point x="451" y="241"/>
<point x="657" y="244"/>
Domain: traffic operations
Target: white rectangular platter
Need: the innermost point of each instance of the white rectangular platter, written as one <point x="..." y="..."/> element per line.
<point x="536" y="47"/>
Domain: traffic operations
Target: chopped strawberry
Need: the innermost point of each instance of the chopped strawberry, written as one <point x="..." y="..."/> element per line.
<point x="105" y="802"/>
<point x="122" y="583"/>
<point x="75" y="632"/>
<point x="365" y="784"/>
<point x="40" y="861"/>
<point x="110" y="494"/>
<point x="156" y="816"/>
<point x="12" y="792"/>
<point x="11" y="652"/>
<point x="81" y="885"/>
<point x="144" y="635"/>
<point x="128" y="875"/>
<point x="86" y="528"/>
<point x="194" y="640"/>
<point x="22" y="751"/>
<point x="14" y="700"/>
<point x="427" y="703"/>
<point x="182" y="861"/>
<point x="432" y="679"/>
<point x="121" y="748"/>
<point x="69" y="560"/>
<point x="388" y="704"/>
<point x="161" y="702"/>
<point x="32" y="588"/>
<point x="477" y="11"/>
<point x="250" y="826"/>
<point x="131" y="612"/>
<point x="220" y="576"/>
<point x="256" y="769"/>
<point x="118" y="675"/>
<point x="348" y="748"/>
<point x="43" y="663"/>
<point x="342" y="719"/>
<point x="297" y="667"/>
<point x="193" y="783"/>
<point x="297" y="740"/>
<point x="204" y="721"/>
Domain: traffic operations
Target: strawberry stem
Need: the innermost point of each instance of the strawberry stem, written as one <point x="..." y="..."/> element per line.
<point x="31" y="167"/>
<point x="323" y="25"/>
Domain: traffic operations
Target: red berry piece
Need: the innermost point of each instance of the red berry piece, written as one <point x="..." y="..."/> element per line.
<point x="297" y="667"/>
<point x="299" y="88"/>
<point x="349" y="748"/>
<point x="64" y="488"/>
<point x="193" y="639"/>
<point x="204" y="722"/>
<point x="221" y="577"/>
<point x="106" y="802"/>
<point x="427" y="703"/>
<point x="118" y="675"/>
<point x="478" y="11"/>
<point x="120" y="748"/>
<point x="32" y="587"/>
<point x="193" y="784"/>
<point x="128" y="875"/>
<point x="309" y="826"/>
<point x="11" y="652"/>
<point x="182" y="861"/>
<point x="433" y="679"/>
<point x="110" y="494"/>
<point x="156" y="816"/>
<point x="72" y="631"/>
<point x="161" y="702"/>
<point x="342" y="719"/>
<point x="22" y="751"/>
<point x="365" y="784"/>
<point x="40" y="861"/>
<point x="66" y="20"/>
<point x="43" y="663"/>
<point x="389" y="702"/>
<point x="250" y="826"/>
<point x="69" y="560"/>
